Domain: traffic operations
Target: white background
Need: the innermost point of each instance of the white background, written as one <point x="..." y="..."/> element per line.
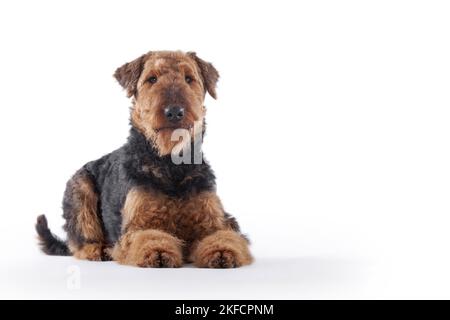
<point x="330" y="141"/>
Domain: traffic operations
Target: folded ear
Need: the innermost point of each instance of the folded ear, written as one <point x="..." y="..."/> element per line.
<point x="209" y="74"/>
<point x="128" y="74"/>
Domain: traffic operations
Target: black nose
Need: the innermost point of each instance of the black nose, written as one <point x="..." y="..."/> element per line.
<point x="174" y="113"/>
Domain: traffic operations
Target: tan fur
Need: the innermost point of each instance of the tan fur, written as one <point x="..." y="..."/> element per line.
<point x="87" y="222"/>
<point x="90" y="251"/>
<point x="148" y="248"/>
<point x="188" y="219"/>
<point x="170" y="68"/>
<point x="223" y="249"/>
<point x="200" y="215"/>
<point x="87" y="219"/>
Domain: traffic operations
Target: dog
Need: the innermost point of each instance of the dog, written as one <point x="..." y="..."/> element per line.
<point x="137" y="206"/>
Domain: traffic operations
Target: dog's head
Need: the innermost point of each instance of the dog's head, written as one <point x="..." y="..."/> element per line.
<point x="168" y="90"/>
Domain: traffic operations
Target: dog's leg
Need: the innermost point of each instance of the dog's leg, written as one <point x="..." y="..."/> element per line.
<point x="222" y="249"/>
<point x="149" y="248"/>
<point x="83" y="223"/>
<point x="214" y="237"/>
<point x="146" y="241"/>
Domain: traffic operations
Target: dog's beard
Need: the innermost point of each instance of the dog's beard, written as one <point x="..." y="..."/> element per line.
<point x="171" y="140"/>
<point x="165" y="139"/>
<point x="174" y="141"/>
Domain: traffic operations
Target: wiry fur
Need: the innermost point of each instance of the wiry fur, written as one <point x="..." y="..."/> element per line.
<point x="135" y="205"/>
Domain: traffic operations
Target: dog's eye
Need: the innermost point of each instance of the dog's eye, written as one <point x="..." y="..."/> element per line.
<point x="152" y="79"/>
<point x="188" y="79"/>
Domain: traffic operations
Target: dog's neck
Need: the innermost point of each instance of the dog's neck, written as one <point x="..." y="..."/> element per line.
<point x="144" y="148"/>
<point x="147" y="166"/>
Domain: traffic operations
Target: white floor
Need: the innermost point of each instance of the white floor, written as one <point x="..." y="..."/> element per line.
<point x="26" y="273"/>
<point x="67" y="278"/>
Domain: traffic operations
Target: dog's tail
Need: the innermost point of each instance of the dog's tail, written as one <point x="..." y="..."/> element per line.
<point x="49" y="243"/>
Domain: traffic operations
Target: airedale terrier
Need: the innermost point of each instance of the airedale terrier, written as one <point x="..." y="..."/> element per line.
<point x="135" y="205"/>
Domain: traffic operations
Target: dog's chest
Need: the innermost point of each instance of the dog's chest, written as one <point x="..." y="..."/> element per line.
<point x="188" y="218"/>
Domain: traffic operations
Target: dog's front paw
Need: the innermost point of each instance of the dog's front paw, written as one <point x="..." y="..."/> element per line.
<point x="223" y="249"/>
<point x="148" y="249"/>
<point x="155" y="258"/>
